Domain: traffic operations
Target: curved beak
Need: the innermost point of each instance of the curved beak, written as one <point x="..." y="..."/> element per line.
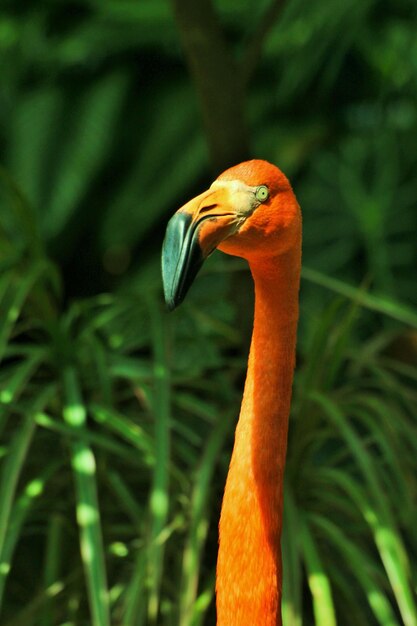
<point x="192" y="234"/>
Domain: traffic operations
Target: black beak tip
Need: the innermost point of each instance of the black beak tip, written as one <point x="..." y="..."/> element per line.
<point x="170" y="304"/>
<point x="181" y="259"/>
<point x="172" y="295"/>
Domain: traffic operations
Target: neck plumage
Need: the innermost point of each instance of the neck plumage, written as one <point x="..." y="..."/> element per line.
<point x="249" y="571"/>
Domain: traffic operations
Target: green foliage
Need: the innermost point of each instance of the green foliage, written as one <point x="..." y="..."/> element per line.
<point x="105" y="361"/>
<point x="116" y="420"/>
<point x="107" y="430"/>
<point x="100" y="189"/>
<point x="350" y="454"/>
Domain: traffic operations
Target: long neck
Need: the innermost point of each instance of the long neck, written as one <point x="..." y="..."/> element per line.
<point x="249" y="571"/>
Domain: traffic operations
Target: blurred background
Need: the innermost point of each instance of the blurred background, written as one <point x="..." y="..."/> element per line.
<point x="116" y="419"/>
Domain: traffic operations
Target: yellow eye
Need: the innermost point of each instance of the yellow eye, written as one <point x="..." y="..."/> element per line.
<point x="262" y="193"/>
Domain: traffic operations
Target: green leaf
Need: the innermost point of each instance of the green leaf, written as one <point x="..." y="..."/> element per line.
<point x="291" y="560"/>
<point x="199" y="519"/>
<point x="80" y="158"/>
<point x="159" y="497"/>
<point x="101" y="441"/>
<point x="18" y="514"/>
<point x="171" y="157"/>
<point x="361" y="566"/>
<point x="380" y="304"/>
<point x="376" y="510"/>
<point x="88" y="512"/>
<point x="35" y="124"/>
<point x="318" y="580"/>
<point x="128" y="500"/>
<point x="53" y="564"/>
<point x="18" y="225"/>
<point x="14" y="298"/>
<point x="127" y="429"/>
<point x="21" y="374"/>
<point x="11" y="469"/>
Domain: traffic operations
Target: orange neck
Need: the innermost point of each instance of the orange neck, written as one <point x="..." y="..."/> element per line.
<point x="249" y="572"/>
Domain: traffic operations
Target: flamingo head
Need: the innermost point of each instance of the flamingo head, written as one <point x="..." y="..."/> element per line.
<point x="249" y="211"/>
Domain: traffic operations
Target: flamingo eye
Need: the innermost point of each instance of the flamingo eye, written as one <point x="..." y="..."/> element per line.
<point x="262" y="193"/>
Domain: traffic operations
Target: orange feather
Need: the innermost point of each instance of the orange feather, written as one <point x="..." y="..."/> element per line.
<point x="249" y="570"/>
<point x="265" y="229"/>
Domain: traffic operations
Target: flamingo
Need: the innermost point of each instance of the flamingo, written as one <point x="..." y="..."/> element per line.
<point x="249" y="211"/>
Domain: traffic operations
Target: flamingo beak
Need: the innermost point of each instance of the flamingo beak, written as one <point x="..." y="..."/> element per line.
<point x="192" y="234"/>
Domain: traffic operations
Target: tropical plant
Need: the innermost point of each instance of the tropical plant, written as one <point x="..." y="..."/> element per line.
<point x="115" y="420"/>
<point x="350" y="480"/>
<point x="101" y="190"/>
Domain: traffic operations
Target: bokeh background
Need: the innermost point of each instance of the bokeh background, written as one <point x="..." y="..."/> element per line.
<point x="117" y="419"/>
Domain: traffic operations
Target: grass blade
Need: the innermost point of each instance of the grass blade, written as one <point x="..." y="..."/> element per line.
<point x="88" y="512"/>
<point x="134" y="613"/>
<point x="377" y="513"/>
<point x="52" y="565"/>
<point x="379" y="304"/>
<point x="159" y="498"/>
<point x="292" y="578"/>
<point x="361" y="568"/>
<point x="199" y="520"/>
<point x="10" y="472"/>
<point x="127" y="429"/>
<point x="20" y="376"/>
<point x="127" y="500"/>
<point x="33" y="490"/>
<point x="13" y="300"/>
<point x="318" y="580"/>
<point x="101" y="441"/>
